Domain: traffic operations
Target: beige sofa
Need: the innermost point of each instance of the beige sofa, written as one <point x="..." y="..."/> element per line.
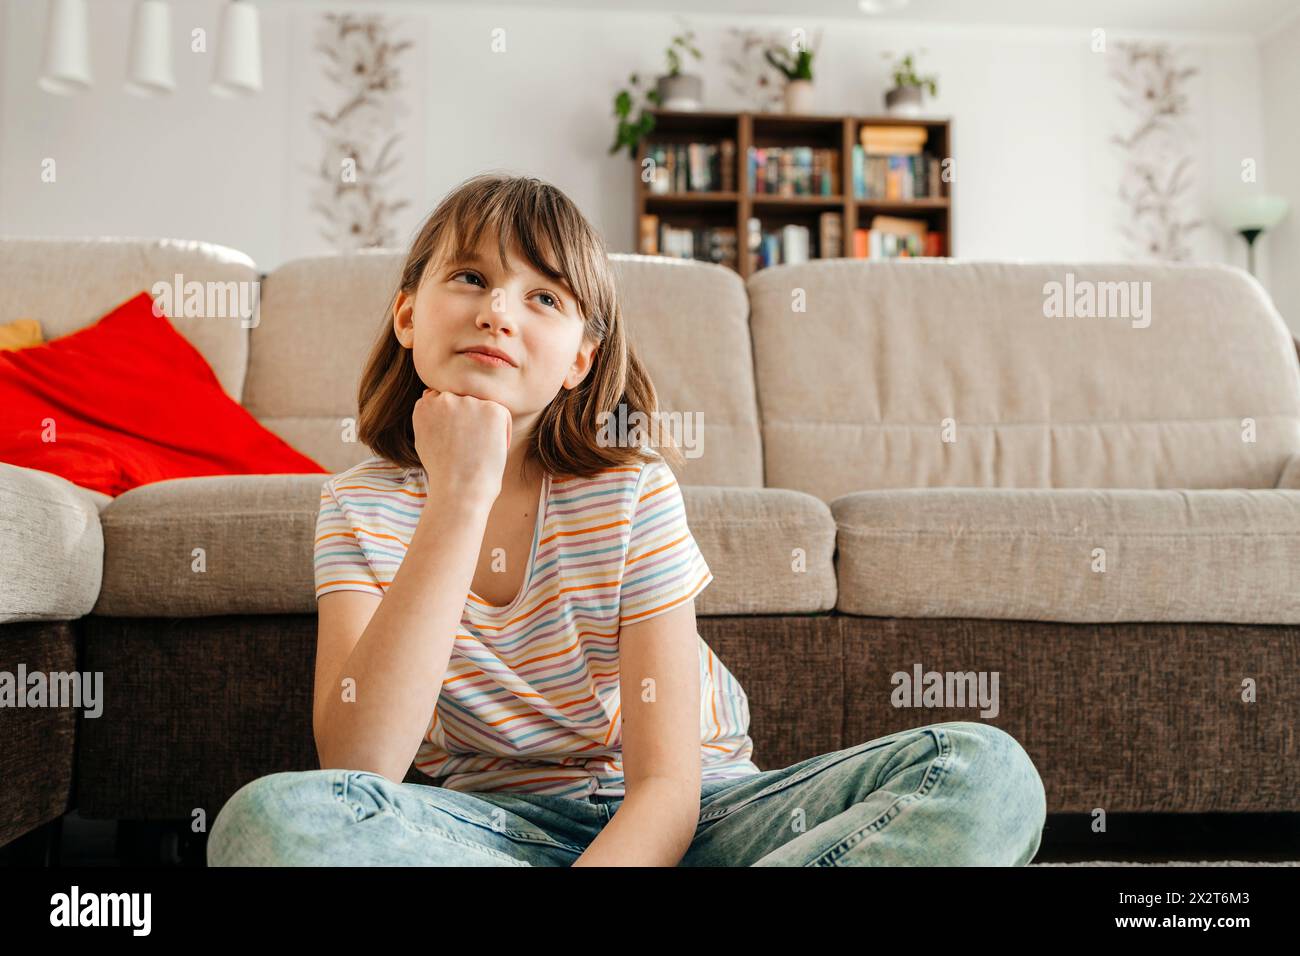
<point x="906" y="466"/>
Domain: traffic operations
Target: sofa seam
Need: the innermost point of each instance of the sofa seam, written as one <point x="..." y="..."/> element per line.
<point x="724" y="523"/>
<point x="225" y="515"/>
<point x="1029" y="533"/>
<point x="1130" y="423"/>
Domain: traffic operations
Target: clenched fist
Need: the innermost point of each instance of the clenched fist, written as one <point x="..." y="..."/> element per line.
<point x="459" y="441"/>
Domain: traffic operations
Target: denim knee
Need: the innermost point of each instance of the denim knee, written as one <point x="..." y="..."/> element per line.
<point x="1003" y="765"/>
<point x="245" y="829"/>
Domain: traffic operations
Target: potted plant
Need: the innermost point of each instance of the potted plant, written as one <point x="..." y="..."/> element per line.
<point x="629" y="131"/>
<point x="678" y="90"/>
<point x="795" y="63"/>
<point x="905" y="98"/>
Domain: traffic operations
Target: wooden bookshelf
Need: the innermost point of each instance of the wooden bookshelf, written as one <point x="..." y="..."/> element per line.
<point x="734" y="208"/>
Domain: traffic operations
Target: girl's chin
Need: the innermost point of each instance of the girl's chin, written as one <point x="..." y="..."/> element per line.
<point x="467" y="386"/>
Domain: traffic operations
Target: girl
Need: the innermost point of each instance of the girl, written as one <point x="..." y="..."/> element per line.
<point x="506" y="602"/>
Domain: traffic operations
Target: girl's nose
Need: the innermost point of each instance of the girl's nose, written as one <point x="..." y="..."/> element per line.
<point x="498" y="321"/>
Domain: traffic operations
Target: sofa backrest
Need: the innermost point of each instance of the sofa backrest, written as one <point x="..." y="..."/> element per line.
<point x="689" y="323"/>
<point x="67" y="284"/>
<point x="321" y="315"/>
<point x="869" y="374"/>
<point x="919" y="373"/>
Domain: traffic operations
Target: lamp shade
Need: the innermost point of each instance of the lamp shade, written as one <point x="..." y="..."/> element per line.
<point x="66" y="66"/>
<point x="149" y="72"/>
<point x="239" y="52"/>
<point x="1260" y="211"/>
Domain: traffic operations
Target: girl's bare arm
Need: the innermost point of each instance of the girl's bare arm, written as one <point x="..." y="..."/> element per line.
<point x="394" y="649"/>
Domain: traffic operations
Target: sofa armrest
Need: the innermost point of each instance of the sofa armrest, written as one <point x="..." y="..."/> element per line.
<point x="51" y="547"/>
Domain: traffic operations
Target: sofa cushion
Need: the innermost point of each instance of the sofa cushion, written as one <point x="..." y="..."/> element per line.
<point x="69" y="283"/>
<point x="244" y="545"/>
<point x="1229" y="556"/>
<point x="225" y="544"/>
<point x="924" y="373"/>
<point x="687" y="320"/>
<point x="689" y="323"/>
<point x="133" y="402"/>
<point x="771" y="550"/>
<point x="51" y="549"/>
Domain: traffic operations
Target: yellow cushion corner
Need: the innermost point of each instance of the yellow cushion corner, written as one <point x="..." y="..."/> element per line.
<point x="20" y="334"/>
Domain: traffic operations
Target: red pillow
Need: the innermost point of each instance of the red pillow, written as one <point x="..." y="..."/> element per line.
<point x="132" y="402"/>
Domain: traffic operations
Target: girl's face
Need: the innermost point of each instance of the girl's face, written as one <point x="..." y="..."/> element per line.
<point x="466" y="304"/>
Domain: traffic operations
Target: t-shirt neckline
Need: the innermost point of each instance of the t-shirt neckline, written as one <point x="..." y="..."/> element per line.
<point x="478" y="604"/>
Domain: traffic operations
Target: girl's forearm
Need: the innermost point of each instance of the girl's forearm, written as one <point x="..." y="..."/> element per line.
<point x="654" y="826"/>
<point x="399" y="663"/>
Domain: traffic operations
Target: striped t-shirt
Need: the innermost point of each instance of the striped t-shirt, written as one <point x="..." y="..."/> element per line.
<point x="530" y="701"/>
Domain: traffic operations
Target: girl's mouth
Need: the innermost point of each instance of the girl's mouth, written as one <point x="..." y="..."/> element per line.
<point x="490" y="361"/>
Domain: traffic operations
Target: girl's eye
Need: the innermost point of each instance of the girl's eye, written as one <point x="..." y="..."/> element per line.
<point x="553" y="303"/>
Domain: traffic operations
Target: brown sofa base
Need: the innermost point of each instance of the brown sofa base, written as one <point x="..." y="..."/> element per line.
<point x="1123" y="717"/>
<point x="1126" y="717"/>
<point x="36" y="743"/>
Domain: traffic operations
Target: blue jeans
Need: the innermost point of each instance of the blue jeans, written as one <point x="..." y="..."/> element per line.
<point x="950" y="794"/>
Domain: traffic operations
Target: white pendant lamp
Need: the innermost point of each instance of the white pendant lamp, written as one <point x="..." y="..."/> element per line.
<point x="149" y="72"/>
<point x="239" y="51"/>
<point x="66" y="69"/>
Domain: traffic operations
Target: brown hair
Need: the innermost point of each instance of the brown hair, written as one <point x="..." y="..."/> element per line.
<point x="540" y="220"/>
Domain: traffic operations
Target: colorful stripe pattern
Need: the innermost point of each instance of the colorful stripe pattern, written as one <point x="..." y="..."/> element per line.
<point x="530" y="701"/>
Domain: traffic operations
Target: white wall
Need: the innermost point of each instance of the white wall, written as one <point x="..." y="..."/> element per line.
<point x="190" y="165"/>
<point x="1032" y="112"/>
<point x="1281" y="84"/>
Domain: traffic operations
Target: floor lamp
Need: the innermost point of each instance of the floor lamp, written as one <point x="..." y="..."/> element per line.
<point x="1252" y="215"/>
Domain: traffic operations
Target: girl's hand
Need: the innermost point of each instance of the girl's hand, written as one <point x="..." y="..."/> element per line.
<point x="449" y="438"/>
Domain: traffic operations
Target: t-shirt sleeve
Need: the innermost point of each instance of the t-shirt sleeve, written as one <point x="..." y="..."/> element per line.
<point x="341" y="565"/>
<point x="664" y="567"/>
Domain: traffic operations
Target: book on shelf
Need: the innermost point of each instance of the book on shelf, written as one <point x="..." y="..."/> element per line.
<point x="692" y="167"/>
<point x="893" y="140"/>
<point x="648" y="235"/>
<point x="898" y="225"/>
<point x="900" y="177"/>
<point x="830" y="235"/>
<point x="707" y="244"/>
<point x="892" y="163"/>
<point x="891" y="237"/>
<point x="793" y="171"/>
<point x="792" y="243"/>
